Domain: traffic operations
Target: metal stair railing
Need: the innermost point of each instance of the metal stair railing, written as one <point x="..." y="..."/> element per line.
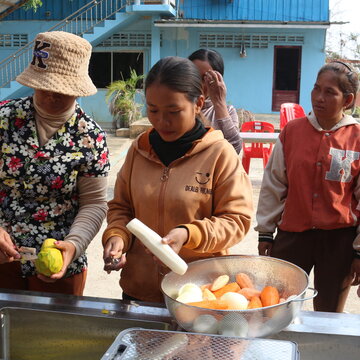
<point x="80" y="22"/>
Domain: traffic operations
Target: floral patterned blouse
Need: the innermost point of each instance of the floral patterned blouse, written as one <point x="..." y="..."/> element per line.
<point x="38" y="193"/>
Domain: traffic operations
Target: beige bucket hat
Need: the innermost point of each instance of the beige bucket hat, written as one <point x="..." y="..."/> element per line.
<point x="60" y="64"/>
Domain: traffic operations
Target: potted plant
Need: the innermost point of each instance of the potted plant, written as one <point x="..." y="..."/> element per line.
<point x="120" y="98"/>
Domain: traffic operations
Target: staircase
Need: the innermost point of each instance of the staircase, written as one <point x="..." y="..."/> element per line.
<point x="96" y="21"/>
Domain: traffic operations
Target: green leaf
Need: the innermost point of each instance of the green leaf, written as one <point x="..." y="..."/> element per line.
<point x="120" y="98"/>
<point x="32" y="4"/>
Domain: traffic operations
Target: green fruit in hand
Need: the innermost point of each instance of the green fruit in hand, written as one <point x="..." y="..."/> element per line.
<point x="48" y="243"/>
<point x="50" y="260"/>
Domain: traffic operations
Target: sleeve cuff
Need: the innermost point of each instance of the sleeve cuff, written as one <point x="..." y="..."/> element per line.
<point x="78" y="249"/>
<point x="194" y="238"/>
<point x="116" y="232"/>
<point x="267" y="237"/>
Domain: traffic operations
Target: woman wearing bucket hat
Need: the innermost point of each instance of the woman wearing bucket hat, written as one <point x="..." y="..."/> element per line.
<point x="53" y="167"/>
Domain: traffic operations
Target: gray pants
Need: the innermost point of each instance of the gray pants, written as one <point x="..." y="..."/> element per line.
<point x="330" y="253"/>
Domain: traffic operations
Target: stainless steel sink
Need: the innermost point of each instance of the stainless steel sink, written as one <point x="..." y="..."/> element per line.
<point x="53" y="326"/>
<point x="41" y="334"/>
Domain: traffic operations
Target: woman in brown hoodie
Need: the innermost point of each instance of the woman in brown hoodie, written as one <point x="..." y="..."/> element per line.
<point x="181" y="179"/>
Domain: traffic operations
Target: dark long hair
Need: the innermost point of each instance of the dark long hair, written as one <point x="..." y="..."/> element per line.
<point x="211" y="56"/>
<point x="178" y="74"/>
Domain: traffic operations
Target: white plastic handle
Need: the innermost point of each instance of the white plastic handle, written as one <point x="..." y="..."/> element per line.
<point x="153" y="242"/>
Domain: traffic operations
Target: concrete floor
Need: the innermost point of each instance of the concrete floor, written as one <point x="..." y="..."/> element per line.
<point x="100" y="284"/>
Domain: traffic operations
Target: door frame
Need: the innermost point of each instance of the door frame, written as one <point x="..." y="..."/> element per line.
<point x="286" y="95"/>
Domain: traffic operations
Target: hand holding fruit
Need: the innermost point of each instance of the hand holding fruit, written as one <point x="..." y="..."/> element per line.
<point x="54" y="259"/>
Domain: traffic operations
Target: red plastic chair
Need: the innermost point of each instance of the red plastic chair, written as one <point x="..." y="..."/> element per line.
<point x="256" y="150"/>
<point x="290" y="111"/>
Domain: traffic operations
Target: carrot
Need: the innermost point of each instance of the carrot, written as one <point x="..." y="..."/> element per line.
<point x="208" y="295"/>
<point x="219" y="282"/>
<point x="210" y="304"/>
<point x="249" y="292"/>
<point x="269" y="296"/>
<point x="244" y="280"/>
<point x="255" y="303"/>
<point x="230" y="287"/>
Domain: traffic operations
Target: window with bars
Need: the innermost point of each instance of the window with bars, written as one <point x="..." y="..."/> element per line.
<point x="127" y="40"/>
<point x="13" y="40"/>
<point x="106" y="67"/>
<point x="256" y="41"/>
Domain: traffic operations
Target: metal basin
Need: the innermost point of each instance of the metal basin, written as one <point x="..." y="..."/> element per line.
<point x="288" y="278"/>
<point x="40" y="334"/>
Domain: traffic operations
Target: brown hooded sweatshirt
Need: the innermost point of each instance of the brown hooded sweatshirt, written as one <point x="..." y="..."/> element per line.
<point x="206" y="190"/>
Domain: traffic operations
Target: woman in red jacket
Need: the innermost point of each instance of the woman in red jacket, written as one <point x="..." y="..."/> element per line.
<point x="311" y="190"/>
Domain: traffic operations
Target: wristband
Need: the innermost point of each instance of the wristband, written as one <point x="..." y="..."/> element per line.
<point x="267" y="237"/>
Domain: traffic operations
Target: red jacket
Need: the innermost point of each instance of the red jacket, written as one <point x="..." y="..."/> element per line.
<point x="312" y="178"/>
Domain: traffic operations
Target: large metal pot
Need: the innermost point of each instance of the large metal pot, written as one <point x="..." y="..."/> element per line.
<point x="288" y="278"/>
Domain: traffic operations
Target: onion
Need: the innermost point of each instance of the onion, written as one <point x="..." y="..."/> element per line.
<point x="189" y="293"/>
<point x="189" y="287"/>
<point x="235" y="301"/>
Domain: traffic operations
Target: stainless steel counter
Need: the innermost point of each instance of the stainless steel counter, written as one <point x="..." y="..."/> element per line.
<point x="324" y="336"/>
<point x="319" y="335"/>
<point x="85" y="305"/>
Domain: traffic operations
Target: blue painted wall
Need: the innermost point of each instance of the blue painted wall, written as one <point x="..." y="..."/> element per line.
<point x="249" y="80"/>
<point x="265" y="10"/>
<point x="53" y="10"/>
<point x="25" y="27"/>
